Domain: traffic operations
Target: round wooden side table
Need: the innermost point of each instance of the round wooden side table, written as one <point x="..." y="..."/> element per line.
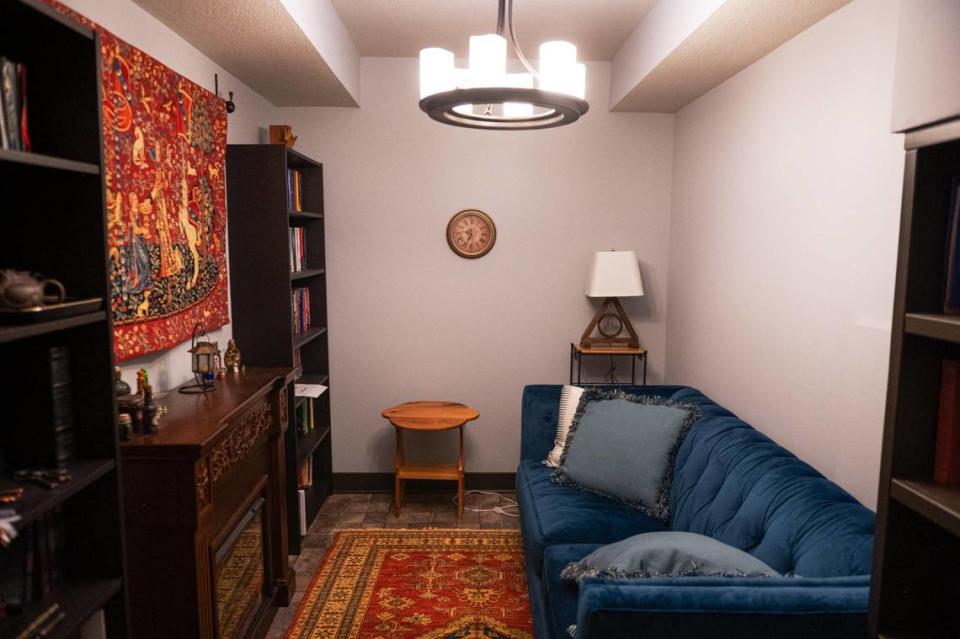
<point x="428" y="416"/>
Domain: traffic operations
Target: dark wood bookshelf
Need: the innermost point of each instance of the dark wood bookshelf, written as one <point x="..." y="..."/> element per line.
<point x="62" y="234"/>
<point x="914" y="589"/>
<point x="261" y="287"/>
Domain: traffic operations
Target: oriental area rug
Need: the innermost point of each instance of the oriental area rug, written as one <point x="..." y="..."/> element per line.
<point x="417" y="584"/>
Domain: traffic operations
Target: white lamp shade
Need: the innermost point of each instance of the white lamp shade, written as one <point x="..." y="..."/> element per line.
<point x="488" y="60"/>
<point x="615" y="274"/>
<point x="437" y="72"/>
<point x="558" y="72"/>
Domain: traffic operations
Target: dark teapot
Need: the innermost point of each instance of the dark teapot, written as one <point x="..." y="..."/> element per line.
<point x="21" y="289"/>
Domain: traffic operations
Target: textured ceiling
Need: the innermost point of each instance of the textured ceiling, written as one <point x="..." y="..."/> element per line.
<point x="400" y="28"/>
<point x="259" y="43"/>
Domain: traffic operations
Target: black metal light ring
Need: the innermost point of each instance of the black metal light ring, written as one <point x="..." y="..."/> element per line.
<point x="564" y="109"/>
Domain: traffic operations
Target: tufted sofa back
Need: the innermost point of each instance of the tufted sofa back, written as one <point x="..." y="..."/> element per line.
<point x="738" y="486"/>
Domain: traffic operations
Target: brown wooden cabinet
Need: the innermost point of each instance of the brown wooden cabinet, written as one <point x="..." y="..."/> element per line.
<point x="205" y="512"/>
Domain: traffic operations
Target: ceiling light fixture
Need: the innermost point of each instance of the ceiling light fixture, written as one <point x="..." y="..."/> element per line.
<point x="485" y="96"/>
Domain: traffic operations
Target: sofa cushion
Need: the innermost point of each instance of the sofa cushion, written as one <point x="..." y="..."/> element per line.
<point x="623" y="446"/>
<point x="738" y="486"/>
<point x="552" y="514"/>
<point x="668" y="553"/>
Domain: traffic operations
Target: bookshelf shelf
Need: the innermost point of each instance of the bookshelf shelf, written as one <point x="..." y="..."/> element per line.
<point x="299" y="218"/>
<point x="48" y="162"/>
<point x="38" y="501"/>
<point x="267" y="238"/>
<point x="935" y="325"/>
<point x="307" y="444"/>
<point x="23" y="331"/>
<point x="936" y="502"/>
<point x="77" y="600"/>
<point x="306" y="274"/>
<point x="299" y="341"/>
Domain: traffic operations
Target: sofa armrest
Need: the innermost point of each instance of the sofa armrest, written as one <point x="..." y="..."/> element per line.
<point x="741" y="608"/>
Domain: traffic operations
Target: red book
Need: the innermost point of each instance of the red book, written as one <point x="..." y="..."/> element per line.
<point x="946" y="464"/>
<point x="24" y="133"/>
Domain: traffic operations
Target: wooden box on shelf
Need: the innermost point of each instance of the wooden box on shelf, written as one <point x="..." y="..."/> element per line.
<point x="278" y="297"/>
<point x="55" y="224"/>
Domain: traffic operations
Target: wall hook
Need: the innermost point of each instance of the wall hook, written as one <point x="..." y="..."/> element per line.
<point x="231" y="106"/>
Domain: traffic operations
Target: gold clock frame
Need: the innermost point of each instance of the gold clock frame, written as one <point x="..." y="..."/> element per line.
<point x="464" y="213"/>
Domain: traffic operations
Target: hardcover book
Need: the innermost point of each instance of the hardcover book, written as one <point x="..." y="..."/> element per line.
<point x="946" y="465"/>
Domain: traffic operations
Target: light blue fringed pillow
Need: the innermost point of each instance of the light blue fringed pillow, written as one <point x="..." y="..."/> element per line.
<point x="667" y="554"/>
<point x="624" y="446"/>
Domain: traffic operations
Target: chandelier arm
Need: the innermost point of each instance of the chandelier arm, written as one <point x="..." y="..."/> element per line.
<point x="516" y="43"/>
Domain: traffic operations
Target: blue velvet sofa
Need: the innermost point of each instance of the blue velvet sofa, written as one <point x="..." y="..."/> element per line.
<point x="731" y="483"/>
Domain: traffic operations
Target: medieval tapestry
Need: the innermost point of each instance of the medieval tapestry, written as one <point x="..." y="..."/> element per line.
<point x="164" y="146"/>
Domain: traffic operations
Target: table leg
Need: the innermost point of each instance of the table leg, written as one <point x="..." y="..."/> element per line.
<point x="460" y="479"/>
<point x="644" y="369"/>
<point x="397" y="486"/>
<point x="633" y="371"/>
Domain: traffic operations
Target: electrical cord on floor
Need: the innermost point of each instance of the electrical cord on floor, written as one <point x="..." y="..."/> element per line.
<point x="500" y="510"/>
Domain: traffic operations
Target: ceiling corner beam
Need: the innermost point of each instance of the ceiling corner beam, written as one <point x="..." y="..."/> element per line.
<point x="684" y="48"/>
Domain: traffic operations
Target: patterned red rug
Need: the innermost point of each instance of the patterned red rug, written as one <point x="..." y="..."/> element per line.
<point x="417" y="584"/>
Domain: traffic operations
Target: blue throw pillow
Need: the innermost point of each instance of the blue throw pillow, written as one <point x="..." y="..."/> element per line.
<point x="667" y="554"/>
<point x="624" y="447"/>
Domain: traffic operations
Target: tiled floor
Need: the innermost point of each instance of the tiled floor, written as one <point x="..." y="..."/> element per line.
<point x="374" y="511"/>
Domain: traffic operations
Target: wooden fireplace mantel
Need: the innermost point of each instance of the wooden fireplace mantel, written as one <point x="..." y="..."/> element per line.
<point x="189" y="490"/>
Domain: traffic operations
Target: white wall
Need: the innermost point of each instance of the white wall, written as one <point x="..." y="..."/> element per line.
<point x="409" y="319"/>
<point x="131" y="23"/>
<point x="786" y="201"/>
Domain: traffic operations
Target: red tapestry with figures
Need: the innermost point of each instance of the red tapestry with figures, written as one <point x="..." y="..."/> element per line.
<point x="164" y="143"/>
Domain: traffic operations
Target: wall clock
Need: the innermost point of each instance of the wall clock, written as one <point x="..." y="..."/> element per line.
<point x="471" y="233"/>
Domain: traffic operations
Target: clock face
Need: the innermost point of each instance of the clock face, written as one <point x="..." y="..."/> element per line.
<point x="471" y="233"/>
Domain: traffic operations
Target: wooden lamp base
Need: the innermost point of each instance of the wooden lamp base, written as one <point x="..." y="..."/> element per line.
<point x="610" y="313"/>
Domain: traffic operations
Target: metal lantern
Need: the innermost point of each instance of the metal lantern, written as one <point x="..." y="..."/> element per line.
<point x="204" y="362"/>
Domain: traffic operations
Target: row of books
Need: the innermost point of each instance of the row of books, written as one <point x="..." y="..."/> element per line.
<point x="33" y="566"/>
<point x="306" y="416"/>
<point x="294" y="190"/>
<point x="300" y="302"/>
<point x="14" y="133"/>
<point x="298" y="249"/>
<point x="305" y="474"/>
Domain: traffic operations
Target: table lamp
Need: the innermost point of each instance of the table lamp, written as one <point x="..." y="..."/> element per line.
<point x="613" y="274"/>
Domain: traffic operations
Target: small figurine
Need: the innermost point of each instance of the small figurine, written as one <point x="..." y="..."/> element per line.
<point x="142" y="380"/>
<point x="231" y="358"/>
<point x="151" y="413"/>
